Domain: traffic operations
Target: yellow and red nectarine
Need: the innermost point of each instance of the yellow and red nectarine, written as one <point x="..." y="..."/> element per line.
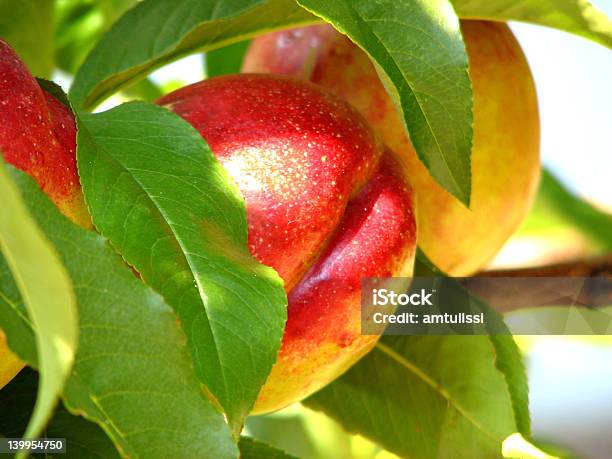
<point x="505" y="154"/>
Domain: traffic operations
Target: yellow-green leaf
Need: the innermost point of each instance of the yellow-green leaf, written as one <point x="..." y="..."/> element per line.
<point x="574" y="16"/>
<point x="46" y="289"/>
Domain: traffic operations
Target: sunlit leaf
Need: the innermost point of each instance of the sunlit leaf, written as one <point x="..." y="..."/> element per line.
<point x="26" y="25"/>
<point x="425" y="397"/>
<point x="593" y="222"/>
<point x="46" y="289"/>
<point x="154" y="33"/>
<point x="433" y="396"/>
<point x="132" y="374"/>
<point x="579" y="17"/>
<point x="175" y="214"/>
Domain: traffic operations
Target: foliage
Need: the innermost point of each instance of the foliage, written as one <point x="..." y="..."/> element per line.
<point x="169" y="364"/>
<point x="132" y="373"/>
<point x="47" y="293"/>
<point x="181" y="224"/>
<point x="579" y="17"/>
<point x="82" y="437"/>
<point x="26" y="26"/>
<point x="383" y="395"/>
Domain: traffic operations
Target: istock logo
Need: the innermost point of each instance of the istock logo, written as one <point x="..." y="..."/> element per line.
<point x="384" y="297"/>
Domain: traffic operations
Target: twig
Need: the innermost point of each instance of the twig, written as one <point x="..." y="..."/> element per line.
<point x="583" y="283"/>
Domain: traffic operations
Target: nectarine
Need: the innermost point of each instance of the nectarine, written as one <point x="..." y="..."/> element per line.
<point x="10" y="364"/>
<point x="326" y="202"/>
<point x="505" y="154"/>
<point x="38" y="136"/>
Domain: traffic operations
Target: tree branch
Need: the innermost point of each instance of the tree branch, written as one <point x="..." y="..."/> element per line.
<point x="583" y="283"/>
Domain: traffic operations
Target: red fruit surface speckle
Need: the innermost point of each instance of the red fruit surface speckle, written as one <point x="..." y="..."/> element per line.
<point x="296" y="153"/>
<point x="326" y="205"/>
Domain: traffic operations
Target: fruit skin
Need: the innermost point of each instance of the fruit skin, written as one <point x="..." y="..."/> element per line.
<point x="326" y="205"/>
<point x="505" y="155"/>
<point x="10" y="364"/>
<point x="38" y="136"/>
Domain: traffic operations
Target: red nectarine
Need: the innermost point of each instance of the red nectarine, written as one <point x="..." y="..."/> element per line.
<point x="326" y="205"/>
<point x="38" y="136"/>
<point x="505" y="154"/>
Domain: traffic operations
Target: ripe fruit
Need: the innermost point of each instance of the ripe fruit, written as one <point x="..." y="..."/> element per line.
<point x="10" y="364"/>
<point x="326" y="205"/>
<point x="38" y="136"/>
<point x="505" y="154"/>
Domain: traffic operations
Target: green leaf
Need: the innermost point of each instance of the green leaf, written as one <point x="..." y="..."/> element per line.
<point x="508" y="357"/>
<point x="79" y="24"/>
<point x="226" y="60"/>
<point x="114" y="9"/>
<point x="175" y="214"/>
<point x="516" y="447"/>
<point x="574" y="16"/>
<point x="26" y="26"/>
<point x="132" y="375"/>
<point x="252" y="449"/>
<point x="592" y="222"/>
<point x="154" y="33"/>
<point x="14" y="319"/>
<point x="509" y="361"/>
<point x="144" y="90"/>
<point x="425" y="397"/>
<point x="421" y="57"/>
<point x="83" y="438"/>
<point x="562" y="320"/>
<point x="433" y="396"/>
<point x="47" y="291"/>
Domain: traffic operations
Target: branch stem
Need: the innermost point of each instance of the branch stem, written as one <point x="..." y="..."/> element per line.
<point x="581" y="283"/>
